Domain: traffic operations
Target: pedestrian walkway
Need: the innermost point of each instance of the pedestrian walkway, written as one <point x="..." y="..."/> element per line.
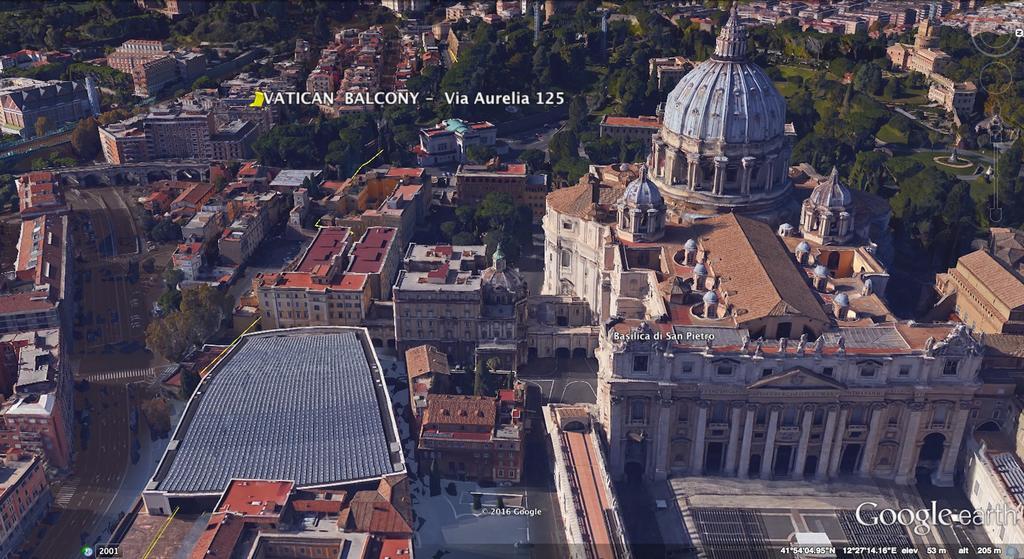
<point x="67" y="491"/>
<point x="126" y="374"/>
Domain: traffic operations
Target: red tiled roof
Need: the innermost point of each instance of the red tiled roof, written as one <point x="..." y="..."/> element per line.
<point x="329" y="242"/>
<point x="220" y="537"/>
<point x="371" y="512"/>
<point x="256" y="497"/>
<point x="368" y="254"/>
<point x="632" y="121"/>
<point x="395" y="548"/>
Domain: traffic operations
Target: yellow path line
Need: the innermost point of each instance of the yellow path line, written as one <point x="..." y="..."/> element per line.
<point x="160" y="533"/>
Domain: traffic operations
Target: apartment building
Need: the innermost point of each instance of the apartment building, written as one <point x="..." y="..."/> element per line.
<point x="39" y="416"/>
<point x="189" y="257"/>
<point x="163" y="133"/>
<point x="34" y="298"/>
<point x="257" y="214"/>
<point x="152" y="66"/>
<point x="24" y="498"/>
<point x="474" y="182"/>
<point x="39" y="193"/>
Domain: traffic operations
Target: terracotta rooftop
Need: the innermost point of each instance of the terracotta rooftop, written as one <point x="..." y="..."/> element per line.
<point x="449" y="409"/>
<point x="632" y="121"/>
<point x="424" y="359"/>
<point x="256" y="497"/>
<point x="368" y="254"/>
<point x="328" y="243"/>
<point x="1004" y="284"/>
<point x="220" y="537"/>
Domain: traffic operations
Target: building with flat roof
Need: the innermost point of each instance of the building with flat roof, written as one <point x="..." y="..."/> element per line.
<point x="448" y="298"/>
<point x="230" y="429"/>
<point x="24" y="498"/>
<point x="38" y="416"/>
<point x="448" y="140"/>
<point x="474" y="182"/>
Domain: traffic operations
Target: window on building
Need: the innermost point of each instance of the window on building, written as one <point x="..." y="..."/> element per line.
<point x="827" y="371"/>
<point x="950" y="367"/>
<point x="819" y="416"/>
<point x="940" y="414"/>
<point x="687" y="367"/>
<point x="719" y="413"/>
<point x="789" y="416"/>
<point x="566" y="259"/>
<point x="868" y="370"/>
<point x="637" y="411"/>
<point x="640" y="363"/>
<point x="761" y="416"/>
<point x="766" y="372"/>
<point x="724" y="369"/>
<point x="894" y="416"/>
<point x="904" y="371"/>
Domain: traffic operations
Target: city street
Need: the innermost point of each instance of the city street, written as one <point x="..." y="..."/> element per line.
<point x="105" y="481"/>
<point x="567" y="381"/>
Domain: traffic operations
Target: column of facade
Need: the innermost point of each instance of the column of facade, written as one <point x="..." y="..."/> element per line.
<point x="748" y="169"/>
<point x="867" y="460"/>
<point x="837" y="444"/>
<point x="908" y="450"/>
<point x="692" y="164"/>
<point x="947" y="466"/>
<point x="805" y="439"/>
<point x="664" y="440"/>
<point x="719" y="182"/>
<point x="734" y="440"/>
<point x="769" y="444"/>
<point x="826" y="443"/>
<point x="748" y="433"/>
<point x="697" y="452"/>
<point x="770" y="174"/>
<point x="615" y="433"/>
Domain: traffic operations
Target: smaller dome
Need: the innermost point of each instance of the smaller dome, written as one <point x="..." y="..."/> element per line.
<point x="831" y="193"/>
<point x="785" y="227"/>
<point x="820" y="271"/>
<point x="690" y="245"/>
<point x="643" y="192"/>
<point x="803" y="247"/>
<point x="842" y="300"/>
<point x="700" y="270"/>
<point x="710" y="298"/>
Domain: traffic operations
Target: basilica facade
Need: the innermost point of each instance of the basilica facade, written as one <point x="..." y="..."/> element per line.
<point x="731" y="344"/>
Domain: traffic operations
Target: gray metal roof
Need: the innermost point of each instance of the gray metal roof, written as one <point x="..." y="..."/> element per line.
<point x="298" y="404"/>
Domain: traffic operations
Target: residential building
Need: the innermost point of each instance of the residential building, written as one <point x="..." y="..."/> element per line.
<point x="192" y="197"/>
<point x="24" y="101"/>
<point x="25" y="498"/>
<point x="350" y="443"/>
<point x="984" y="293"/>
<point x="639" y="128"/>
<point x="377" y="254"/>
<point x="25" y="58"/>
<point x="474" y="182"/>
<point x="445" y="297"/>
<point x="447" y="142"/>
<point x="204" y="226"/>
<point x="35" y="296"/>
<point x="406" y="6"/>
<point x="257" y="214"/>
<point x="152" y="66"/>
<point x="39" y="417"/>
<point x="189" y="257"/>
<point x="40" y="193"/>
<point x="474" y="437"/>
<point x="163" y="133"/>
<point x="587" y="505"/>
<point x="234" y="140"/>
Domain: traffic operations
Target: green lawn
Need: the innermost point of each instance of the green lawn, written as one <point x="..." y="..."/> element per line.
<point x="890" y="135"/>
<point x="790" y="71"/>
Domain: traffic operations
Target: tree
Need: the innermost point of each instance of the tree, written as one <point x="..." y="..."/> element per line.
<point x="42" y="126"/>
<point x="893" y="88"/>
<point x="481" y="379"/>
<point x="173" y="276"/>
<point x="204" y="82"/>
<point x="868" y="78"/>
<point x="54" y="38"/>
<point x="85" y="139"/>
<point x="578" y="113"/>
<point x="158" y="415"/>
<point x="480" y="154"/>
<point x="166" y="230"/>
<point x="534" y="159"/>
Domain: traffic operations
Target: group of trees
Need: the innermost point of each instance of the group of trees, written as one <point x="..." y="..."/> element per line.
<point x="54" y="24"/>
<point x="342" y="143"/>
<point x="199" y="316"/>
<point x="497" y="219"/>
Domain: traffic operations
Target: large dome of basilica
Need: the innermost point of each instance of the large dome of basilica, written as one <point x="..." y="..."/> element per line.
<point x="724" y="145"/>
<point x="727" y="98"/>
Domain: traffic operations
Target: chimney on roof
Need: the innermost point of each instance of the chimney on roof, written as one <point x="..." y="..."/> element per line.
<point x="595" y="189"/>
